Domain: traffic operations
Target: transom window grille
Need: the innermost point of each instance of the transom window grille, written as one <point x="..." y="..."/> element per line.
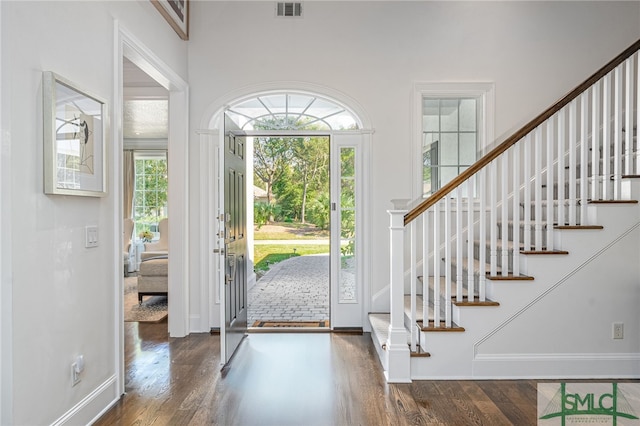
<point x="450" y="138"/>
<point x="291" y="111"/>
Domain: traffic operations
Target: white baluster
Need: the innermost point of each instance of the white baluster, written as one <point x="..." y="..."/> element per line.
<point x="584" y="156"/>
<point x="526" y="178"/>
<point x="505" y="213"/>
<point x="550" y="182"/>
<point x="413" y="278"/>
<point x="538" y="222"/>
<point x="437" y="260"/>
<point x="470" y="238"/>
<point x="482" y="233"/>
<point x="617" y="133"/>
<point x="637" y="108"/>
<point x="516" y="207"/>
<point x="606" y="137"/>
<point x="459" y="243"/>
<point x="493" y="219"/>
<point x="573" y="139"/>
<point x="596" y="118"/>
<point x="628" y="117"/>
<point x="561" y="165"/>
<point x="425" y="267"/>
<point x="447" y="261"/>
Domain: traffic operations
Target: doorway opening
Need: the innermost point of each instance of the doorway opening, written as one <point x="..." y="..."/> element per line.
<point x="145" y="195"/>
<point x="302" y="115"/>
<point x="291" y="229"/>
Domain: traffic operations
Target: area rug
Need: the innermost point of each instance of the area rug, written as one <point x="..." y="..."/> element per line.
<point x="153" y="309"/>
<point x="295" y="324"/>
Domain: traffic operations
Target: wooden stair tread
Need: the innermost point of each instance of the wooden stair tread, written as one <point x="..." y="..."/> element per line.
<point x="510" y="277"/>
<point x="578" y="227"/>
<point x="613" y="201"/>
<point x="475" y="302"/>
<point x="419" y="353"/>
<point x="543" y="252"/>
<point x="431" y="327"/>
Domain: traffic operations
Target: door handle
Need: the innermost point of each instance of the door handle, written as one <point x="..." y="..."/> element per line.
<point x="232" y="264"/>
<point x="218" y="250"/>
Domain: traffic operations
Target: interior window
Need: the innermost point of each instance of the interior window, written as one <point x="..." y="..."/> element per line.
<point x="150" y="193"/>
<point x="450" y="138"/>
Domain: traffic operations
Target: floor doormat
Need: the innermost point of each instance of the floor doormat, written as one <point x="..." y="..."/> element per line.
<point x="294" y="324"/>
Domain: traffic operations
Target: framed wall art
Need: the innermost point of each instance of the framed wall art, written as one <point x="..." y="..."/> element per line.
<point x="176" y="12"/>
<point x="75" y="160"/>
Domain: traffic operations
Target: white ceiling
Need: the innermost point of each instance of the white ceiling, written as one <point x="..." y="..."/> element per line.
<point x="146" y="105"/>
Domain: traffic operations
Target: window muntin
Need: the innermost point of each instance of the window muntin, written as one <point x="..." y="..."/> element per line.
<point x="291" y="111"/>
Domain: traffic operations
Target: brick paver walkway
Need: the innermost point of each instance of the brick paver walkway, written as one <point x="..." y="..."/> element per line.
<point x="296" y="289"/>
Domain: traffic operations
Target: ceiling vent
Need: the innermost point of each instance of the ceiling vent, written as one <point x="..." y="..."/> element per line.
<point x="289" y="9"/>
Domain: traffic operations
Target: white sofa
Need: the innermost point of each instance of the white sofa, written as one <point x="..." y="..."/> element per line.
<point x="154" y="265"/>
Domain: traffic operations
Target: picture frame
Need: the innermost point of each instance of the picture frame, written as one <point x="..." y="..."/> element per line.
<point x="74" y="130"/>
<point x="176" y="12"/>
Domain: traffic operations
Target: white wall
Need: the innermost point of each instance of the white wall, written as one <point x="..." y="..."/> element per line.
<point x="374" y="52"/>
<point x="62" y="295"/>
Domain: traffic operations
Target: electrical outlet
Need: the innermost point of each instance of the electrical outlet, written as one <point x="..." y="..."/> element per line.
<point x="618" y="330"/>
<point x="76" y="369"/>
<point x="75" y="374"/>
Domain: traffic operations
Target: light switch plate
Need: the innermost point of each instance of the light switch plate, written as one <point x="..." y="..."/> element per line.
<point x="91" y="236"/>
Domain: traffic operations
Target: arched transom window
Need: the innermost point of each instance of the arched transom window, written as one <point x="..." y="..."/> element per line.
<point x="291" y="111"/>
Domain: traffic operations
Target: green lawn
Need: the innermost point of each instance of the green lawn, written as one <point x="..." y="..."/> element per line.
<point x="289" y="231"/>
<point x="270" y="254"/>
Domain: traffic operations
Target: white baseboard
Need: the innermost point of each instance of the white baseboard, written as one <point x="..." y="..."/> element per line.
<point x="594" y="365"/>
<point x="91" y="407"/>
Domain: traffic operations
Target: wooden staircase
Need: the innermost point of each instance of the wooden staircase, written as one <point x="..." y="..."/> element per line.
<point x="565" y="207"/>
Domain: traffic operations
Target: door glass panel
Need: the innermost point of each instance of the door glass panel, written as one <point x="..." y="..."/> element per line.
<point x="347" y="268"/>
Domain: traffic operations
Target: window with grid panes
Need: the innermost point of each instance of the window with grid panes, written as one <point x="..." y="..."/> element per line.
<point x="450" y="138"/>
<point x="150" y="194"/>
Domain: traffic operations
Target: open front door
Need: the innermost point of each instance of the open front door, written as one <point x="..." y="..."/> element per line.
<point x="234" y="232"/>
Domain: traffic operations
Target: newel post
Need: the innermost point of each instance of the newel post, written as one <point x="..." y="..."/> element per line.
<point x="398" y="357"/>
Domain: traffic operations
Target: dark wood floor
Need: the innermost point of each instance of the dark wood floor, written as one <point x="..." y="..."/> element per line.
<point x="296" y="379"/>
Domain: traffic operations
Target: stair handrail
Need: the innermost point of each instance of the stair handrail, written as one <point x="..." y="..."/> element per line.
<point x="519" y="134"/>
